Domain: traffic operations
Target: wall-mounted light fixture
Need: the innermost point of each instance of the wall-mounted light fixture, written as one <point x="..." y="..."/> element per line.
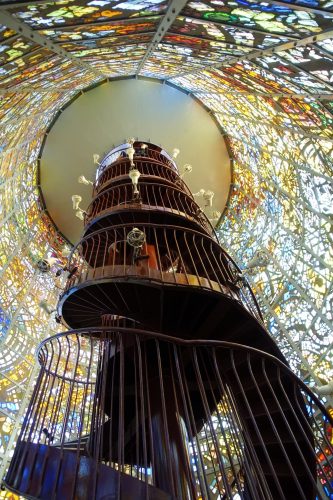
<point x="201" y="192"/>
<point x="80" y="213"/>
<point x="76" y="199"/>
<point x="130" y="153"/>
<point x="44" y="265"/>
<point x="187" y="169"/>
<point x="325" y="390"/>
<point x="261" y="258"/>
<point x="134" y="175"/>
<point x="83" y="180"/>
<point x="208" y="197"/>
<point x="175" y="153"/>
<point x="46" y="307"/>
<point x="215" y="217"/>
<point x="96" y="158"/>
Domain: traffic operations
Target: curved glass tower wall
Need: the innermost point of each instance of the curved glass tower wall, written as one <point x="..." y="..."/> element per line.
<point x="275" y="108"/>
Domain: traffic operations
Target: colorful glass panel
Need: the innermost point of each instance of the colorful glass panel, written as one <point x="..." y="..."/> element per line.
<point x="205" y="29"/>
<point x="270" y="17"/>
<point x="273" y="110"/>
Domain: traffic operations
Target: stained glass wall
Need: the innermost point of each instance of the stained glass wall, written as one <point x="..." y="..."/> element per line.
<point x="263" y="69"/>
<point x="281" y="202"/>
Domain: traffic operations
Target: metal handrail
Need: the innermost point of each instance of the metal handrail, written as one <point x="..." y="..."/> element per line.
<point x="121" y="152"/>
<point x="120" y="168"/>
<point x="153" y="195"/>
<point x="174" y="250"/>
<point x="246" y="424"/>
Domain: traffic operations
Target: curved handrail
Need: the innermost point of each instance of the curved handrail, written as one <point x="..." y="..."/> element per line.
<point x="244" y="420"/>
<point x="229" y="276"/>
<point x="148" y="152"/>
<point x="153" y="194"/>
<point x="190" y="343"/>
<point x="141" y="162"/>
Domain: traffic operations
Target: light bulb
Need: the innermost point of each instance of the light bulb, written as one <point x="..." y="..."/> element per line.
<point x="130" y="152"/>
<point x="134" y="175"/>
<point x="79" y="214"/>
<point x="46" y="307"/>
<point x="83" y="180"/>
<point x="199" y="193"/>
<point x="208" y="197"/>
<point x="175" y="153"/>
<point x="76" y="199"/>
<point x="187" y="168"/>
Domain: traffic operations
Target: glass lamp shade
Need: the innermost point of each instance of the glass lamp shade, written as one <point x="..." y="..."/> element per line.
<point x="76" y="199"/>
<point x="134" y="175"/>
<point x="79" y="214"/>
<point x="208" y="197"/>
<point x="130" y="151"/>
<point x="83" y="180"/>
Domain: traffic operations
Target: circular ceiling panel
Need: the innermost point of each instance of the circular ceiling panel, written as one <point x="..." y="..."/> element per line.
<point x="109" y="114"/>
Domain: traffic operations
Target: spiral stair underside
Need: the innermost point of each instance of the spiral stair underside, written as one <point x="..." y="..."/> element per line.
<point x="176" y="286"/>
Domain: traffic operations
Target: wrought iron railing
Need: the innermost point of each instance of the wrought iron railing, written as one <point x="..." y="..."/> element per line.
<point x="243" y="424"/>
<point x="120" y="169"/>
<point x="149" y="152"/>
<point x="170" y="254"/>
<point x="152" y="196"/>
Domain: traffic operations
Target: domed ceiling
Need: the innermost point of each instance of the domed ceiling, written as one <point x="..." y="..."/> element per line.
<point x="264" y="71"/>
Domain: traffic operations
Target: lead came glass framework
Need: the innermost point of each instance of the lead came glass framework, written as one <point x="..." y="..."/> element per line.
<point x="274" y="107"/>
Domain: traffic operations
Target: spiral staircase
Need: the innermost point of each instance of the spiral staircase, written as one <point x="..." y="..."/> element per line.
<point x="168" y="385"/>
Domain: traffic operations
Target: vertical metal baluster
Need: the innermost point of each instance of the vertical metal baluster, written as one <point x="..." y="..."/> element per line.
<point x="121" y="438"/>
<point x="58" y="396"/>
<point x="291" y="405"/>
<point x="17" y="464"/>
<point x="206" y="270"/>
<point x="206" y="493"/>
<point x="66" y="415"/>
<point x="87" y="386"/>
<point x="97" y="252"/>
<point x="226" y="439"/>
<point x="158" y="201"/>
<point x="48" y="392"/>
<point x="146" y="378"/>
<point x="142" y="412"/>
<point x="189" y="253"/>
<point x="258" y="434"/>
<point x="178" y="401"/>
<point x="189" y="207"/>
<point x="164" y="419"/>
<point x="115" y="348"/>
<point x="167" y="191"/>
<point x="125" y="249"/>
<point x="285" y="420"/>
<point x="212" y="458"/>
<point x="273" y="426"/>
<point x="170" y="256"/>
<point x="239" y="426"/>
<point x="180" y="256"/>
<point x="157" y="248"/>
<point x="136" y="417"/>
<point x="216" y="250"/>
<point x="208" y="418"/>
